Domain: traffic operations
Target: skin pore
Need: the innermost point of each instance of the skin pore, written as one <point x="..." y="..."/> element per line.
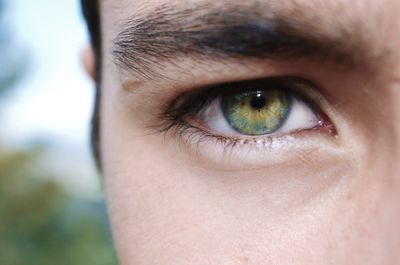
<point x="182" y="188"/>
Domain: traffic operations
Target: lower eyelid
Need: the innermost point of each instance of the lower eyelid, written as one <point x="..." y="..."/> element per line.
<point x="232" y="152"/>
<point x="253" y="153"/>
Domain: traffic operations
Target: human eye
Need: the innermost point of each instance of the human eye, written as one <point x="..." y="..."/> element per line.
<point x="249" y="114"/>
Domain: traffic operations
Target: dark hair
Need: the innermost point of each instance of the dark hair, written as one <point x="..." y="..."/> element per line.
<point x="90" y="9"/>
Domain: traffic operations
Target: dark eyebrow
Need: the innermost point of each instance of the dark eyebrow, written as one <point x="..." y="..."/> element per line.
<point x="206" y="32"/>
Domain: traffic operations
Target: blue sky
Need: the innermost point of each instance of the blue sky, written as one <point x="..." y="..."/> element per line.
<point x="54" y="100"/>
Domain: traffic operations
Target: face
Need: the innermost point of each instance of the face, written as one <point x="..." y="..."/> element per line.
<point x="252" y="132"/>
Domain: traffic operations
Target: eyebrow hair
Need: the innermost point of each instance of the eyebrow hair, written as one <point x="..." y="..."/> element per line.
<point x="238" y="32"/>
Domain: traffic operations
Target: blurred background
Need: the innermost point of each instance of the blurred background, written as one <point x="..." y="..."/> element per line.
<point x="51" y="204"/>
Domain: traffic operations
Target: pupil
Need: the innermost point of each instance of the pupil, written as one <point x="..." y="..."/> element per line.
<point x="258" y="101"/>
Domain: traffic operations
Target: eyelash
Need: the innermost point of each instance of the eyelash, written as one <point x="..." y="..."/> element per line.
<point x="189" y="104"/>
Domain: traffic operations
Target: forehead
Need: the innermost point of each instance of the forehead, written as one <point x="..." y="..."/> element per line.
<point x="347" y="11"/>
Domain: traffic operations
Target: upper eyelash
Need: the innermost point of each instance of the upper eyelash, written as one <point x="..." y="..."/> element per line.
<point x="195" y="101"/>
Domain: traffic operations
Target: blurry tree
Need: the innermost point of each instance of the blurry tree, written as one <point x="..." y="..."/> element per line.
<point x="39" y="223"/>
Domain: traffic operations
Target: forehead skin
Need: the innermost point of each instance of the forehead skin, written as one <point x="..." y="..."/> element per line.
<point x="336" y="204"/>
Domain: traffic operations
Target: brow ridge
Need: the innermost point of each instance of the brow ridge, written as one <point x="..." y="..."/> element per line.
<point x="206" y="33"/>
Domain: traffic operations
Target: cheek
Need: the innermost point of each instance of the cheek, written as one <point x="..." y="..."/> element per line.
<point x="165" y="210"/>
<point x="158" y="219"/>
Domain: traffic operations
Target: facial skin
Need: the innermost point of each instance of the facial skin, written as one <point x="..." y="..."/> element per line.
<point x="324" y="196"/>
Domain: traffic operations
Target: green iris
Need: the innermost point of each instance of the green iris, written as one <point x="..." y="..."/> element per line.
<point x="256" y="112"/>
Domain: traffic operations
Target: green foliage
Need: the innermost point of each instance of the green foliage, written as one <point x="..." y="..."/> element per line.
<point x="41" y="225"/>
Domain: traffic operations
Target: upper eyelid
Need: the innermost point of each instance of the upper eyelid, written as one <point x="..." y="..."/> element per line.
<point x="196" y="99"/>
<point x="191" y="102"/>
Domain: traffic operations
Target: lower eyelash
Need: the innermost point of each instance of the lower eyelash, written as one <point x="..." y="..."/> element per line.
<point x="194" y="136"/>
<point x="191" y="135"/>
